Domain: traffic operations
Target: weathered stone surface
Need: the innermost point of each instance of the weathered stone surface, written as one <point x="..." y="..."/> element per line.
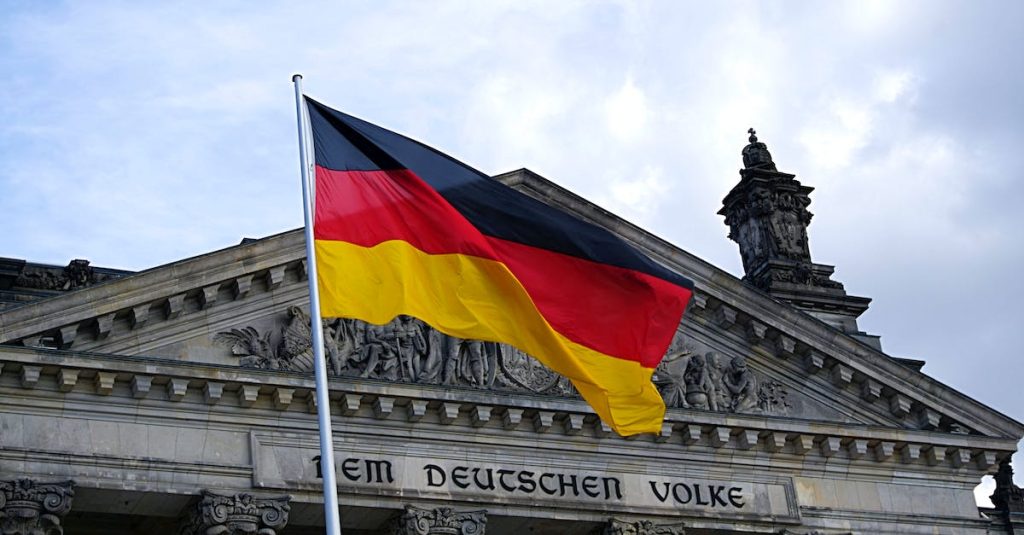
<point x="31" y="508"/>
<point x="440" y="521"/>
<point x="236" y="514"/>
<point x="642" y="527"/>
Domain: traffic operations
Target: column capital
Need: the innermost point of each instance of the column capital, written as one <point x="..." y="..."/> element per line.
<point x="30" y="508"/>
<point x="440" y="521"/>
<point x="641" y="527"/>
<point x="236" y="514"/>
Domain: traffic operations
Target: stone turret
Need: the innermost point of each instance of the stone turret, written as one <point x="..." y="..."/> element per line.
<point x="767" y="216"/>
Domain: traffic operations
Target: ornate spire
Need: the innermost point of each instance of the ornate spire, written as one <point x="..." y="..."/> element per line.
<point x="756" y="155"/>
<point x="767" y="216"/>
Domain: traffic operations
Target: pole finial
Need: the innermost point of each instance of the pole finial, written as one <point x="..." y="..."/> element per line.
<point x="296" y="77"/>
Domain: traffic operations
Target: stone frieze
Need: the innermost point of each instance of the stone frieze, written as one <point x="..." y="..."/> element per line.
<point x="409" y="351"/>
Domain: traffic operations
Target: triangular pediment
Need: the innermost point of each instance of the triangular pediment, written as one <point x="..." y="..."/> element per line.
<point x="739" y="351"/>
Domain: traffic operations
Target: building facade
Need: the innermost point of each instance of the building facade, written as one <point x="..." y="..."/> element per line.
<point x="180" y="400"/>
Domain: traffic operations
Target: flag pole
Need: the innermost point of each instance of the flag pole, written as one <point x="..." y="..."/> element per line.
<point x="323" y="403"/>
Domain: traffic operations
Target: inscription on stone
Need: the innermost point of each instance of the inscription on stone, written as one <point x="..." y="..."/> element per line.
<point x="463" y="475"/>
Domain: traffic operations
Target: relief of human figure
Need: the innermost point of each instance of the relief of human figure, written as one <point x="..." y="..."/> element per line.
<point x="432" y="366"/>
<point x="741" y="384"/>
<point x="380" y="351"/>
<point x="410" y="345"/>
<point x="699" y="389"/>
<point x="477" y="362"/>
<point x="716" y="370"/>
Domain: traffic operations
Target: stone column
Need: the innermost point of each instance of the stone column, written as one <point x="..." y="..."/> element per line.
<point x="30" y="508"/>
<point x="236" y="514"/>
<point x="440" y="521"/>
<point x="641" y="527"/>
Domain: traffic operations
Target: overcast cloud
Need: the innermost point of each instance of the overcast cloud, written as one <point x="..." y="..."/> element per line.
<point x="134" y="134"/>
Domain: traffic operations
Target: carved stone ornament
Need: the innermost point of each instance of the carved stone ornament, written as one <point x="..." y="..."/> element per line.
<point x="77" y="274"/>
<point x="711" y="382"/>
<point x="408" y="350"/>
<point x="1008" y="498"/>
<point x="404" y="350"/>
<point x="641" y="527"/>
<point x="440" y="521"/>
<point x="30" y="508"/>
<point x="767" y="217"/>
<point x="237" y="514"/>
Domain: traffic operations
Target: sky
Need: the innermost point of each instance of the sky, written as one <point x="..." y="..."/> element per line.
<point x="134" y="134"/>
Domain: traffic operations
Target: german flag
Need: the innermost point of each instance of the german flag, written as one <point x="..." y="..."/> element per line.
<point x="401" y="228"/>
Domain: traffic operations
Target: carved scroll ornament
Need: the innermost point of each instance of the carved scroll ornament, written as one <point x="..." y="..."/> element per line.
<point x="30" y="508"/>
<point x="237" y="514"/>
<point x="642" y="527"/>
<point x="440" y="521"/>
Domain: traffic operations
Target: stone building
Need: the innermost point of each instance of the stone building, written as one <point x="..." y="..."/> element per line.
<point x="180" y="400"/>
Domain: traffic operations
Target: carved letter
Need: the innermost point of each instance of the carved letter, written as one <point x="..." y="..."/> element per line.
<point x="501" y="479"/>
<point x="590" y="486"/>
<point x="661" y="497"/>
<point x="696" y="490"/>
<point x="350" y="472"/>
<point x="736" y="497"/>
<point x="607" y="488"/>
<point x="544" y="487"/>
<point x="376" y="470"/>
<point x="459" y="477"/>
<point x="526" y="482"/>
<point x="571" y="484"/>
<point x="489" y="485"/>
<point x="675" y="493"/>
<point x="434" y="469"/>
<point x="716" y="495"/>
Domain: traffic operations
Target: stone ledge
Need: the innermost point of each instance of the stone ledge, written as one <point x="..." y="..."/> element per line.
<point x="422" y="405"/>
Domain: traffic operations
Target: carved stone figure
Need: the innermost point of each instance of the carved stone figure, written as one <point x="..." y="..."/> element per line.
<point x="671" y="385"/>
<point x="238" y="514"/>
<point x="716" y="370"/>
<point x="741" y="385"/>
<point x="412" y="346"/>
<point x="641" y="527"/>
<point x="440" y="521"/>
<point x="432" y="367"/>
<point x="478" y="362"/>
<point x="253" y="348"/>
<point x="408" y="350"/>
<point x="77" y="274"/>
<point x="380" y="353"/>
<point x="700" y="391"/>
<point x="30" y="508"/>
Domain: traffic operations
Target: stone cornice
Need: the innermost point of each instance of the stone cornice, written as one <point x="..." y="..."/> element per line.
<point x="126" y="380"/>
<point x="155" y="291"/>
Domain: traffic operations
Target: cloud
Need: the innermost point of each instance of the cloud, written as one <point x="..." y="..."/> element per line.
<point x="134" y="134"/>
<point x="626" y="112"/>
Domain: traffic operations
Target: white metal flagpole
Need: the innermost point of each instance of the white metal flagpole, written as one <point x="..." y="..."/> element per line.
<point x="323" y="404"/>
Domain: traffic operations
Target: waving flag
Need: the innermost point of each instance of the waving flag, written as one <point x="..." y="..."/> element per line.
<point x="401" y="228"/>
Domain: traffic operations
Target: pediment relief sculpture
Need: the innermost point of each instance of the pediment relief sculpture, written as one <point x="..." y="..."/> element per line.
<point x="404" y="350"/>
<point x="409" y="351"/>
<point x="710" y="381"/>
